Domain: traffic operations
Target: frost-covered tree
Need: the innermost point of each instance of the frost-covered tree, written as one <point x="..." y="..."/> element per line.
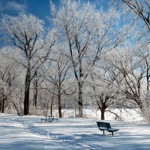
<point x="10" y="81"/>
<point x="104" y="87"/>
<point x="141" y="8"/>
<point x="133" y="71"/>
<point x="86" y="34"/>
<point x="57" y="74"/>
<point x="26" y="32"/>
<point x="75" y="24"/>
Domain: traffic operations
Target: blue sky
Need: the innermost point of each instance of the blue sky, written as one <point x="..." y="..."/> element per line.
<point x="38" y="8"/>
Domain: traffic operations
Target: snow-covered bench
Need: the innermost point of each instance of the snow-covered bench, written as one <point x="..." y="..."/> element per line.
<point x="106" y="126"/>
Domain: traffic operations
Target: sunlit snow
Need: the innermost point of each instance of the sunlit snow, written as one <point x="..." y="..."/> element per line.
<point x="29" y="133"/>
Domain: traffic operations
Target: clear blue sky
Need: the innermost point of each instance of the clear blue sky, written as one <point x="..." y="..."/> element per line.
<point x="38" y="8"/>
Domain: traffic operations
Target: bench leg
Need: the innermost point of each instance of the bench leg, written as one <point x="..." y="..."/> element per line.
<point x="112" y="133"/>
<point x="103" y="132"/>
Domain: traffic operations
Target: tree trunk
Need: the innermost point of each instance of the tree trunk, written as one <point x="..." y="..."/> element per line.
<point x="59" y="105"/>
<point x="148" y="76"/>
<point x="102" y="107"/>
<point x="59" y="96"/>
<point x="35" y="96"/>
<point x="3" y="105"/>
<point x="0" y="106"/>
<point x="27" y="93"/>
<point x="51" y="107"/>
<point x="102" y="114"/>
<point x="80" y="99"/>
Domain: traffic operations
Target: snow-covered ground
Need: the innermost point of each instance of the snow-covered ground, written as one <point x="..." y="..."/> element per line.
<point x="29" y="133"/>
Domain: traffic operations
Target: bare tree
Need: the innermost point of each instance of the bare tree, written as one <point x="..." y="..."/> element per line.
<point x="9" y="79"/>
<point x="87" y="33"/>
<point x="141" y="8"/>
<point x="59" y="76"/>
<point x="104" y="82"/>
<point x="76" y="24"/>
<point x="26" y="33"/>
<point x="133" y="71"/>
<point x="61" y="73"/>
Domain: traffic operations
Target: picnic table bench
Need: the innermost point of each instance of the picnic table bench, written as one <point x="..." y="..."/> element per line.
<point x="106" y="126"/>
<point x="49" y="119"/>
<point x="53" y="118"/>
<point x="20" y="114"/>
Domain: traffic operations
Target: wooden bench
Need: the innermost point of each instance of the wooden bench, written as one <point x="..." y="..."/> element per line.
<point x="106" y="126"/>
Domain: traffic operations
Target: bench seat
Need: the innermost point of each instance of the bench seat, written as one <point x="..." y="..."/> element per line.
<point x="112" y="130"/>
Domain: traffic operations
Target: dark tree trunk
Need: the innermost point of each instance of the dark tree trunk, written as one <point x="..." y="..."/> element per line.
<point x="35" y="97"/>
<point x="148" y="76"/>
<point x="59" y="105"/>
<point x="80" y="99"/>
<point x="59" y="98"/>
<point x="51" y="105"/>
<point x="103" y="108"/>
<point x="51" y="108"/>
<point x="35" y="94"/>
<point x="3" y="105"/>
<point x="102" y="114"/>
<point x="27" y="93"/>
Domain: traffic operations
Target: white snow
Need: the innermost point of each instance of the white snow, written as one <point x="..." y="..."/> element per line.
<point x="29" y="133"/>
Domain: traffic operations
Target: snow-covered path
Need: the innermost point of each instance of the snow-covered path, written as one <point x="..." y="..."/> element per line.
<point x="28" y="133"/>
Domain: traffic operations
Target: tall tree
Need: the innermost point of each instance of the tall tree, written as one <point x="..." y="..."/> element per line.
<point x="75" y="24"/>
<point x="86" y="33"/>
<point x="62" y="67"/>
<point x="26" y="32"/>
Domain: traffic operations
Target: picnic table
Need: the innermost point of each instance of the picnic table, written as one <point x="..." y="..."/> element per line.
<point x="49" y="119"/>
